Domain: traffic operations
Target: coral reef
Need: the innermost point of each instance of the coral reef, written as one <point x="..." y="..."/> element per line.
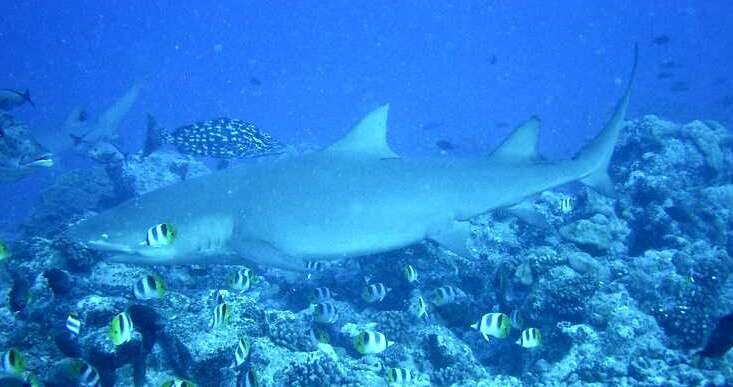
<point x="623" y="290"/>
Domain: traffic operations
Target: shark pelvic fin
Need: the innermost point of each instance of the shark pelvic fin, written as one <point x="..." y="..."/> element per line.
<point x="368" y="137"/>
<point x="454" y="237"/>
<point x="525" y="211"/>
<point x="521" y="145"/>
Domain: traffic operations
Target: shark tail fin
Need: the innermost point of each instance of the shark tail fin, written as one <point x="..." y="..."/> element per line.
<point x="154" y="138"/>
<point x="596" y="156"/>
<point x="27" y="97"/>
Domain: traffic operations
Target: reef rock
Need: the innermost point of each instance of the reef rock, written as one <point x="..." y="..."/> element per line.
<point x="159" y="169"/>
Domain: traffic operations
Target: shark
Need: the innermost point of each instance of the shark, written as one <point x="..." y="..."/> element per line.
<point x="82" y="133"/>
<point x="354" y="198"/>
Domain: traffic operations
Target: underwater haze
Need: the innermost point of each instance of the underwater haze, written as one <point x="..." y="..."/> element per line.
<point x="403" y="193"/>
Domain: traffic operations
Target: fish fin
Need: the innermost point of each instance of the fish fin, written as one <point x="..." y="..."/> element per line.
<point x="110" y="119"/>
<point x="486" y="337"/>
<point x="154" y="137"/>
<point x="474" y="326"/>
<point x="27" y="97"/>
<point x="596" y="156"/>
<point x="426" y="318"/>
<point x="454" y="237"/>
<point x="367" y="138"/>
<point x="521" y="145"/>
<point x="525" y="211"/>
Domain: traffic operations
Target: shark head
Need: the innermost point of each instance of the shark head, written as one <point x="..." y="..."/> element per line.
<point x="133" y="237"/>
<point x="20" y="154"/>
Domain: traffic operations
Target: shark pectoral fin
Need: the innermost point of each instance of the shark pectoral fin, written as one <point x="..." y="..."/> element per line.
<point x="367" y="138"/>
<point x="525" y="211"/>
<point x="454" y="237"/>
<point x="521" y="145"/>
<point x="264" y="253"/>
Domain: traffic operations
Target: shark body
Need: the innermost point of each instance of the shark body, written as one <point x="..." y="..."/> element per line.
<point x="354" y="198"/>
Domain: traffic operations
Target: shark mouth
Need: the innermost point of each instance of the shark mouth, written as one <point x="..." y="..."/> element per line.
<point x="45" y="160"/>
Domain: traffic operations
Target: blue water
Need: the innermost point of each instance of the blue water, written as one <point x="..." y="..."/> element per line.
<point x="462" y="72"/>
<point x="323" y="64"/>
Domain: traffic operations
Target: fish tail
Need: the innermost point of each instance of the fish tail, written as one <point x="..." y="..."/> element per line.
<point x="27" y="97"/>
<point x="596" y="156"/>
<point x="155" y="136"/>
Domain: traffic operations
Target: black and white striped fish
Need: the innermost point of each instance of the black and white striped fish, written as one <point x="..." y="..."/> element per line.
<point x="73" y="324"/>
<point x="325" y="313"/>
<point x="121" y="328"/>
<point x="566" y="205"/>
<point x="160" y="235"/>
<point x="321" y="295"/>
<point x="149" y="287"/>
<point x="242" y="280"/>
<point x="531" y="338"/>
<point x="221" y="315"/>
<point x="241" y="354"/>
<point x="223" y="138"/>
<point x="88" y="375"/>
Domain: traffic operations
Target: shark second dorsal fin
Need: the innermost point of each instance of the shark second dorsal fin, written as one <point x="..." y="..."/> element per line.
<point x="521" y="145"/>
<point x="368" y="137"/>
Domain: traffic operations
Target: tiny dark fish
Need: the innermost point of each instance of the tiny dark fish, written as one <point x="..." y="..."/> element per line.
<point x="720" y="81"/>
<point x="502" y="125"/>
<point x="661" y="40"/>
<point x="431" y="125"/>
<point x="721" y="340"/>
<point x="255" y="82"/>
<point x="668" y="64"/>
<point x="679" y="87"/>
<point x="664" y="75"/>
<point x="222" y="138"/>
<point x="726" y="101"/>
<point x="493" y="60"/>
<point x="83" y="116"/>
<point x="445" y="145"/>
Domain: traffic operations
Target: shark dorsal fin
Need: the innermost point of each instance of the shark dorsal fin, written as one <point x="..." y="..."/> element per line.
<point x="520" y="146"/>
<point x="368" y="137"/>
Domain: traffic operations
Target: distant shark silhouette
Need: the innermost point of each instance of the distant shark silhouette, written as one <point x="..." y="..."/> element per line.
<point x="82" y="133"/>
<point x="354" y="198"/>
